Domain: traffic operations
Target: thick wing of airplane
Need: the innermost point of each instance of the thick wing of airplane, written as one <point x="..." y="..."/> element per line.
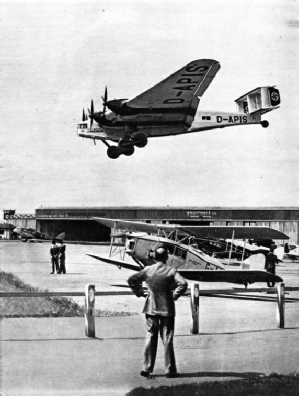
<point x="134" y="226"/>
<point x="118" y="263"/>
<point x="226" y="232"/>
<point x="230" y="276"/>
<point x="207" y="232"/>
<point x="177" y="90"/>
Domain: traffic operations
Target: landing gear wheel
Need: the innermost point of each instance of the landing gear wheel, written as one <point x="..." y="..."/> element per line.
<point x="113" y="152"/>
<point x="140" y="140"/>
<point x="264" y="124"/>
<point x="128" y="150"/>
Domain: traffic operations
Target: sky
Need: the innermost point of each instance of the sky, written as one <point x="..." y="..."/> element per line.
<point x="56" y="56"/>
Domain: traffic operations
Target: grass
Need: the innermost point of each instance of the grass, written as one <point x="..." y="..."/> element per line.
<point x="274" y="384"/>
<point x="39" y="307"/>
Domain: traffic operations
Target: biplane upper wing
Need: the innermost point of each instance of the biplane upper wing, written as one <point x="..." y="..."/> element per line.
<point x="226" y="232"/>
<point x="134" y="226"/>
<point x="207" y="232"/>
<point x="118" y="263"/>
<point x="177" y="90"/>
<point x="230" y="276"/>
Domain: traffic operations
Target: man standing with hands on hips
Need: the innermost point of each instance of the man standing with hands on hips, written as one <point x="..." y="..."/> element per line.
<point x="165" y="286"/>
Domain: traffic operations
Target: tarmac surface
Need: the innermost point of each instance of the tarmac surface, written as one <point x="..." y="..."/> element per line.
<point x="238" y="336"/>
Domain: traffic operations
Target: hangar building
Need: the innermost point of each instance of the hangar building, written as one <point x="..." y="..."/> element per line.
<point x="78" y="224"/>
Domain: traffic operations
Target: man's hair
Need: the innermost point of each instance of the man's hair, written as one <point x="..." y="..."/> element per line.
<point x="161" y="254"/>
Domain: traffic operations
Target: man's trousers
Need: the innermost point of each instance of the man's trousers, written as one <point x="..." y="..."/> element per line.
<point x="165" y="326"/>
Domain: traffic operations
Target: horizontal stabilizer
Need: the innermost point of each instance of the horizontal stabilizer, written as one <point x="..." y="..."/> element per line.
<point x="260" y="100"/>
<point x="118" y="263"/>
<point x="230" y="276"/>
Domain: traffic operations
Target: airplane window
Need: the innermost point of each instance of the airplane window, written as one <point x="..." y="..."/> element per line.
<point x="131" y="245"/>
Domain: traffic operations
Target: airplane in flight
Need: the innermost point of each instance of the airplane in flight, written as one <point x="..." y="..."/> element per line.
<point x="139" y="240"/>
<point x="171" y="108"/>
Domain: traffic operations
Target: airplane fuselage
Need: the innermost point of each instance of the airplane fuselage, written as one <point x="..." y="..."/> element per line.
<point x="155" y="126"/>
<point x="181" y="256"/>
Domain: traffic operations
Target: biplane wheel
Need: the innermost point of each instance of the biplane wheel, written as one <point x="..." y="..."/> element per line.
<point x="140" y="140"/>
<point x="113" y="152"/>
<point x="128" y="150"/>
<point x="264" y="124"/>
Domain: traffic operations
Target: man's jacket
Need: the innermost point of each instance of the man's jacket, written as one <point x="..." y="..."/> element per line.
<point x="165" y="286"/>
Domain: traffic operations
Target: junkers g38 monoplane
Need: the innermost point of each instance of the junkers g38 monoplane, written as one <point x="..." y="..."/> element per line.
<point x="139" y="240"/>
<point x="171" y="108"/>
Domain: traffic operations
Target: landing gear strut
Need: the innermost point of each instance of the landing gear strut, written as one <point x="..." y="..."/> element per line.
<point x="126" y="145"/>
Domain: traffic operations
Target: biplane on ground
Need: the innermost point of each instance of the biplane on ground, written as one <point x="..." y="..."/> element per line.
<point x="138" y="240"/>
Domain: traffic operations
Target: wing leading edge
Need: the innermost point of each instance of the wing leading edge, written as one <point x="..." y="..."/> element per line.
<point x="207" y="232"/>
<point x="229" y="276"/>
<point x="177" y="90"/>
<point x="118" y="263"/>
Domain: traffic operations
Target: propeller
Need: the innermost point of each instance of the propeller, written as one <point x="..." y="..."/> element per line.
<point x="84" y="116"/>
<point x="105" y="100"/>
<point x="90" y="112"/>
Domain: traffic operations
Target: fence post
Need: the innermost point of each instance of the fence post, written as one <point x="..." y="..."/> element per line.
<point x="90" y="329"/>
<point x="194" y="299"/>
<point x="280" y="305"/>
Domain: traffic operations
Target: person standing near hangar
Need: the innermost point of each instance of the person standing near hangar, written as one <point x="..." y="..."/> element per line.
<point x="54" y="251"/>
<point x="271" y="261"/>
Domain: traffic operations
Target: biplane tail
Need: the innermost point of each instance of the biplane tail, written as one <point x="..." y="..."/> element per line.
<point x="259" y="101"/>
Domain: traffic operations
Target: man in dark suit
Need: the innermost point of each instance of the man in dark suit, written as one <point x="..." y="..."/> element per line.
<point x="165" y="286"/>
<point x="271" y="261"/>
<point x="54" y="251"/>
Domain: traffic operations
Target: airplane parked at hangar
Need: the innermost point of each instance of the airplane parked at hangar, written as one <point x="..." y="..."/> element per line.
<point x="32" y="235"/>
<point x="293" y="254"/>
<point x="171" y="108"/>
<point x="142" y="239"/>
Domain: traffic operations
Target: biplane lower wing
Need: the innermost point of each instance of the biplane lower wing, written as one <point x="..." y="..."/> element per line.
<point x="230" y="276"/>
<point x="118" y="263"/>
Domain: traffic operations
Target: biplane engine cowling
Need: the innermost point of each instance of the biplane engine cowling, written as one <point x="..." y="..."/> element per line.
<point x="260" y="100"/>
